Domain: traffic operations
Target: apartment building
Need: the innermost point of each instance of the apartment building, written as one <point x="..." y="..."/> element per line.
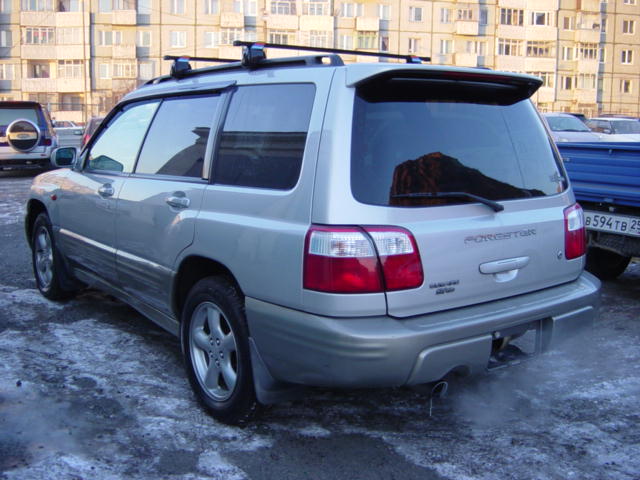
<point x="80" y="56"/>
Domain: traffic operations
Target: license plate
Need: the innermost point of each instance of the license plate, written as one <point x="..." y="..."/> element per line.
<point x="608" y="222"/>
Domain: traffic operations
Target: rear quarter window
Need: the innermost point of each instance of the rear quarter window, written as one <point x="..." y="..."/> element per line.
<point x="436" y="139"/>
<point x="263" y="137"/>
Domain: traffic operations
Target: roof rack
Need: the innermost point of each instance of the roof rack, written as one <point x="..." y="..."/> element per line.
<point x="254" y="56"/>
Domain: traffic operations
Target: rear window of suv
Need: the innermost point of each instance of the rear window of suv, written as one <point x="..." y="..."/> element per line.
<point x="434" y="138"/>
<point x="8" y="115"/>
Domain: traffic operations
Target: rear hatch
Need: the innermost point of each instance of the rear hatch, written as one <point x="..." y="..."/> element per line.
<point x="11" y="111"/>
<point x="464" y="164"/>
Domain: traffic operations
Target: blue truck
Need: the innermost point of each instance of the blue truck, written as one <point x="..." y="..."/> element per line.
<point x="606" y="181"/>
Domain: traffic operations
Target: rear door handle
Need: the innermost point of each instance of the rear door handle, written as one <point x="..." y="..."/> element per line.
<point x="178" y="200"/>
<point x="106" y="190"/>
<point x="505" y="265"/>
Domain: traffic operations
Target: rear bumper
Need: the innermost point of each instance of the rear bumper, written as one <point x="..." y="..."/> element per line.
<point x="309" y="349"/>
<point x="16" y="160"/>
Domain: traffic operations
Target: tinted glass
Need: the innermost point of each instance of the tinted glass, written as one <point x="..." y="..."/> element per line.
<point x="264" y="134"/>
<point x="429" y="140"/>
<point x="118" y="145"/>
<point x="8" y="115"/>
<point x="177" y="139"/>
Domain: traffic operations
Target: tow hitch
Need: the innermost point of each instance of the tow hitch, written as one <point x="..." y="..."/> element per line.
<point x="530" y="339"/>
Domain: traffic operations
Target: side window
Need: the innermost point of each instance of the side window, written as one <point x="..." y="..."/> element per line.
<point x="264" y="135"/>
<point x="118" y="145"/>
<point x="177" y="139"/>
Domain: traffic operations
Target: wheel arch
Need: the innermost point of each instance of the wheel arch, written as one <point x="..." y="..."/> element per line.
<point x="192" y="269"/>
<point x="34" y="208"/>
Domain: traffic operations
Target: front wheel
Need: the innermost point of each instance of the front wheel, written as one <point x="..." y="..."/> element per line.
<point x="606" y="264"/>
<point x="215" y="343"/>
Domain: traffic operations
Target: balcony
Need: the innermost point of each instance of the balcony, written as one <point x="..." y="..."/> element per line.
<point x="587" y="66"/>
<point x="70" y="85"/>
<point x="367" y="24"/>
<point x="541" y="33"/>
<point x="588" y="36"/>
<point x="536" y="64"/>
<point x="316" y="22"/>
<point x="71" y="19"/>
<point x="588" y="5"/>
<point x="37" y="19"/>
<point x="511" y="31"/>
<point x="232" y="20"/>
<point x="513" y="4"/>
<point x="123" y="17"/>
<point x="584" y="95"/>
<point x="510" y="63"/>
<point x="124" y="51"/>
<point x="545" y="95"/>
<point x="282" y="22"/>
<point x="38" y="85"/>
<point x="39" y="52"/>
<point x="465" y="60"/>
<point x="72" y="52"/>
<point x="464" y="27"/>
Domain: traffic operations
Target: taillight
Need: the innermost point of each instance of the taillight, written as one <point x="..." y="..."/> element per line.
<point x="575" y="232"/>
<point x="361" y="260"/>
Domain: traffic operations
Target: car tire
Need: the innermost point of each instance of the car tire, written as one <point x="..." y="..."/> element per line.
<point x="605" y="264"/>
<point x="215" y="344"/>
<point x="48" y="266"/>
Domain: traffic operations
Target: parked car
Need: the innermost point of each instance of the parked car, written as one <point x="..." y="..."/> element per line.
<point x="301" y="222"/>
<point x="91" y="126"/>
<point x="69" y="133"/>
<point x="618" y="129"/>
<point x="568" y="128"/>
<point x="27" y="137"/>
<point x="580" y="116"/>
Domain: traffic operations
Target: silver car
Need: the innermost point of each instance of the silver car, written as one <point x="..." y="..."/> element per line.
<point x="301" y="222"/>
<point x="568" y="128"/>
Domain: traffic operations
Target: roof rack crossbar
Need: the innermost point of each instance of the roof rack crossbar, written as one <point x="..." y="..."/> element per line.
<point x="254" y="47"/>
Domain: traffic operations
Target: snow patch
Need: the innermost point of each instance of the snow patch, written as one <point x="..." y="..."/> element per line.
<point x="213" y="464"/>
<point x="314" y="431"/>
<point x="12" y="298"/>
<point x="11" y="212"/>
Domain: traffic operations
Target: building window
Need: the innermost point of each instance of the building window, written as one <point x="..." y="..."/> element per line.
<point x="103" y="71"/>
<point x="603" y="55"/>
<point x="384" y="43"/>
<point x="445" y="15"/>
<point x="368" y="40"/>
<point x="588" y="51"/>
<point x="144" y="7"/>
<point x="540" y="18"/>
<point x="69" y="36"/>
<point x="230" y="35"/>
<point x="316" y="8"/>
<point x="539" y="49"/>
<point x="70" y="69"/>
<point x="484" y="16"/>
<point x="587" y="81"/>
<point x="507" y="46"/>
<point x="629" y="2"/>
<point x="319" y="38"/>
<point x="465" y="14"/>
<point x="414" y="45"/>
<point x="70" y="102"/>
<point x="627" y="57"/>
<point x="346" y="42"/>
<point x="178" y="39"/>
<point x="6" y="71"/>
<point x="628" y="26"/>
<point x="446" y="46"/>
<point x="211" y="7"/>
<point x="546" y="77"/>
<point x="625" y="86"/>
<point x="144" y="38"/>
<point x="603" y="25"/>
<point x="282" y="36"/>
<point x="123" y="4"/>
<point x="415" y="14"/>
<point x="283" y="7"/>
<point x="145" y="71"/>
<point x="568" y="23"/>
<point x="5" y="38"/>
<point x="5" y="6"/>
<point x="37" y="5"/>
<point x="511" y="16"/>
<point x="211" y="39"/>
<point x="384" y="11"/>
<point x="125" y="70"/>
<point x="476" y="47"/>
<point x="177" y="7"/>
<point x="350" y="10"/>
<point x="107" y="38"/>
<point x="38" y="35"/>
<point x="250" y="8"/>
<point x="567" y="53"/>
<point x="105" y="5"/>
<point x="566" y="82"/>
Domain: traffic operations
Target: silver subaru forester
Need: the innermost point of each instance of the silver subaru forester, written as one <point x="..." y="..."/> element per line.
<point x="301" y="222"/>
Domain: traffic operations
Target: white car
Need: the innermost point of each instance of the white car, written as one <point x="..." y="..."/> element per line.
<point x="616" y="129"/>
<point x="568" y="128"/>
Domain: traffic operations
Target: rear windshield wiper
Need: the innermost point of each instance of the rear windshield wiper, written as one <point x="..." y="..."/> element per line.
<point x="489" y="203"/>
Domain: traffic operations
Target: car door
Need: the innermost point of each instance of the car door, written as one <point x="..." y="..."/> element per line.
<point x="87" y="201"/>
<point x="157" y="207"/>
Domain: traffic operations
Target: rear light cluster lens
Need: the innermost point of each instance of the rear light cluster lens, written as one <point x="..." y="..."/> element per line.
<point x="575" y="232"/>
<point x="361" y="260"/>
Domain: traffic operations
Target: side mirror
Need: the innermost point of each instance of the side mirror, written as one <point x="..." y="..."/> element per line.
<point x="64" y="156"/>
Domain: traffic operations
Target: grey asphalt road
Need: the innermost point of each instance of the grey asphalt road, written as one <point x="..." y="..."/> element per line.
<point x="89" y="389"/>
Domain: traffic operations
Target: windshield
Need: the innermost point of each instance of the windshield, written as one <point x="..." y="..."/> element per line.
<point x="566" y="124"/>
<point x="8" y="115"/>
<point x="435" y="143"/>
<point x="626" y="126"/>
